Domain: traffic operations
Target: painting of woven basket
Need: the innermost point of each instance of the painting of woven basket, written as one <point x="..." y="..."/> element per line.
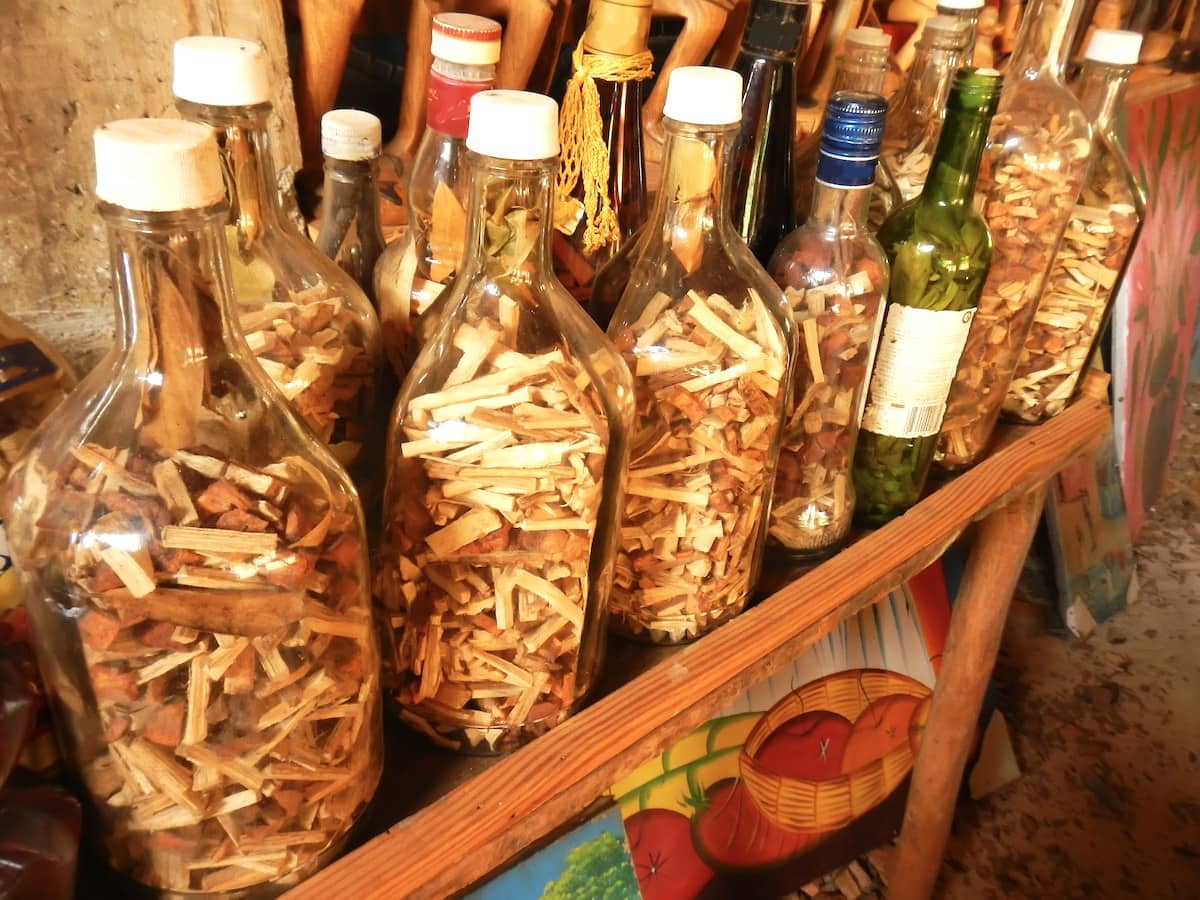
<point x="806" y="805"/>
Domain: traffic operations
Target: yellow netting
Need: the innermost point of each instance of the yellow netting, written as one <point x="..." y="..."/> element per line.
<point x="581" y="134"/>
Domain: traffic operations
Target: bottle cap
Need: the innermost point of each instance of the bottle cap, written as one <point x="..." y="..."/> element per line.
<point x="156" y="165"/>
<point x="960" y="4"/>
<point x="850" y="138"/>
<point x="1117" y="48"/>
<point x="221" y="71"/>
<point x="617" y="27"/>
<point x="465" y="39"/>
<point x="513" y="125"/>
<point x="868" y="37"/>
<point x="704" y="95"/>
<point x="350" y="134"/>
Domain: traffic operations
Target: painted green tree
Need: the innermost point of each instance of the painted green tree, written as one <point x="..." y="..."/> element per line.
<point x="597" y="870"/>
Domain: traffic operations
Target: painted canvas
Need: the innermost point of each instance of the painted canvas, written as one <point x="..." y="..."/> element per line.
<point x="1089" y="538"/>
<point x="589" y="863"/>
<point x="802" y="772"/>
<point x="1156" y="309"/>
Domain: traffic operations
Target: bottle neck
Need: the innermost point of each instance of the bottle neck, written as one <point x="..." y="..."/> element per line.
<point x="1101" y="88"/>
<point x="1044" y="41"/>
<point x="510" y="225"/>
<point x="694" y="195"/>
<point x="970" y="18"/>
<point x="255" y="204"/>
<point x="776" y="29"/>
<point x="839" y="209"/>
<point x="351" y="192"/>
<point x="173" y="308"/>
<point x="924" y="94"/>
<point x="861" y="69"/>
<point x="955" y="164"/>
<point x="448" y="97"/>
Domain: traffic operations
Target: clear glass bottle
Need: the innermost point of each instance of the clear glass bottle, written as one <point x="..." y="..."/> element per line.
<point x="708" y="337"/>
<point x="507" y="456"/>
<point x="762" y="188"/>
<point x="1095" y="249"/>
<point x="310" y="326"/>
<point x="414" y="270"/>
<point x="915" y="118"/>
<point x="349" y="232"/>
<point x="967" y="12"/>
<point x="862" y="68"/>
<point x="834" y="277"/>
<point x="194" y="563"/>
<point x="613" y="57"/>
<point x="939" y="249"/>
<point x="1031" y="174"/>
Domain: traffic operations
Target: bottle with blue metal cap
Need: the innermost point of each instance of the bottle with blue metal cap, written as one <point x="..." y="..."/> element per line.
<point x="834" y="275"/>
<point x="940" y="249"/>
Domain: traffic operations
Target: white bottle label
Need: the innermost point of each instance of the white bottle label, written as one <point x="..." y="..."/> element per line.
<point x="914" y="369"/>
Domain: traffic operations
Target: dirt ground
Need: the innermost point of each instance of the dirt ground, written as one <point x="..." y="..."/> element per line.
<point x="1106" y="732"/>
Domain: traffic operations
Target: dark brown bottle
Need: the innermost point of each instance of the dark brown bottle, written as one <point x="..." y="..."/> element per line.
<point x="613" y="42"/>
<point x="762" y="185"/>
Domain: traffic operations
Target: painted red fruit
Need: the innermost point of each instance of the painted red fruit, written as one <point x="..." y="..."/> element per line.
<point x="730" y="832"/>
<point x="809" y="746"/>
<point x="664" y="860"/>
<point x="879" y="729"/>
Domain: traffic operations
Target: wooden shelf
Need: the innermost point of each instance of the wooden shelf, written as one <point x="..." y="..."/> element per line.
<point x="457" y="819"/>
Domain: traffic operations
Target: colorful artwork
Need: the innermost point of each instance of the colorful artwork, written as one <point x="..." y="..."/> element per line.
<point x="1156" y="308"/>
<point x="803" y="771"/>
<point x="1089" y="536"/>
<point x="590" y="863"/>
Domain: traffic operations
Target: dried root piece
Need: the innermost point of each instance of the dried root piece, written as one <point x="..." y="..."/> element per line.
<point x="493" y="505"/>
<point x="709" y="407"/>
<point x="837" y="323"/>
<point x="315" y="348"/>
<point x="1028" y="201"/>
<point x="1090" y="258"/>
<point x="230" y="655"/>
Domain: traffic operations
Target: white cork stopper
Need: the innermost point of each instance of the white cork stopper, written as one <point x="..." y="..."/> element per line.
<point x="960" y="4"/>
<point x="157" y="165"/>
<point x="221" y="71"/>
<point x="1114" y="47"/>
<point x="868" y="36"/>
<point x="465" y="39"/>
<point x="704" y="95"/>
<point x="513" y="125"/>
<point x="350" y="134"/>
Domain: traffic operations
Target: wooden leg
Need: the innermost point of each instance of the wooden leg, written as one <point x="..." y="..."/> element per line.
<point x="1001" y="543"/>
<point x="325" y="32"/>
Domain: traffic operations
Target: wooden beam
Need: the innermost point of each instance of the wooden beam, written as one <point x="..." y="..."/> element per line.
<point x="485" y="822"/>
<point x="999" y="550"/>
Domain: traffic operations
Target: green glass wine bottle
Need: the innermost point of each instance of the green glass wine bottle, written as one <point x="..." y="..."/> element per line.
<point x="939" y="249"/>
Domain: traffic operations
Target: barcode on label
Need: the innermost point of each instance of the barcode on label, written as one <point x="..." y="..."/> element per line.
<point x="904" y="421"/>
<point x="924" y="420"/>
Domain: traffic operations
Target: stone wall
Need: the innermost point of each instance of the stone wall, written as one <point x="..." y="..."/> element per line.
<point x="65" y="68"/>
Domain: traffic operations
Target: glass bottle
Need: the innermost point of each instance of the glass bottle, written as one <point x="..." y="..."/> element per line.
<point x="862" y="67"/>
<point x="967" y="12"/>
<point x="1095" y="249"/>
<point x="708" y="337"/>
<point x="310" y="326"/>
<point x="194" y="565"/>
<point x="349" y="232"/>
<point x="508" y="450"/>
<point x="762" y="188"/>
<point x="915" y="118"/>
<point x="939" y="249"/>
<point x="603" y="172"/>
<point x="834" y="277"/>
<point x="415" y="269"/>
<point x="1031" y="174"/>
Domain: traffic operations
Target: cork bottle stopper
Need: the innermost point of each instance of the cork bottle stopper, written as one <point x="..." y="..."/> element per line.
<point x="221" y="71"/>
<point x="157" y="165"/>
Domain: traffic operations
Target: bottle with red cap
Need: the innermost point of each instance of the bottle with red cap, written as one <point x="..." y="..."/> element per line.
<point x="414" y="270"/>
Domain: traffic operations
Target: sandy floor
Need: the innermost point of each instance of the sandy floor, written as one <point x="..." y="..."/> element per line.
<point x="1107" y="732"/>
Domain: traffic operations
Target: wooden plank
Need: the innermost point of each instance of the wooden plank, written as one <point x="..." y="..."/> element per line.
<point x="483" y="823"/>
<point x="999" y="550"/>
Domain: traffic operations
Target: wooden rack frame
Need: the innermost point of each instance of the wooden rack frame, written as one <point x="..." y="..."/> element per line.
<point x="490" y="818"/>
